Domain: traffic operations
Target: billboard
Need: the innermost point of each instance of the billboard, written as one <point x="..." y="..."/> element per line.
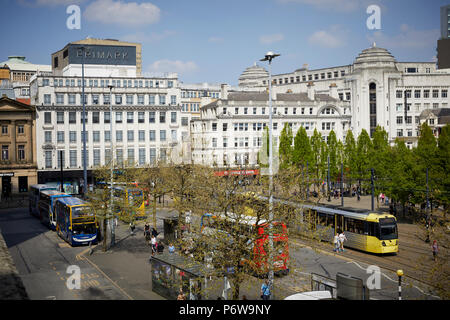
<point x="102" y="54"/>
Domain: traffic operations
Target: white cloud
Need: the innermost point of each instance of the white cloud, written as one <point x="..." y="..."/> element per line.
<point x="334" y="5"/>
<point x="177" y="66"/>
<point x="49" y="3"/>
<point x="152" y="37"/>
<point x="334" y="37"/>
<point x="271" y="38"/>
<point x="408" y="38"/>
<point x="122" y="13"/>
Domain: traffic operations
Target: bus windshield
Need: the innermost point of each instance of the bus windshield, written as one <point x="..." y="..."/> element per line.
<point x="81" y="212"/>
<point x="85" y="228"/>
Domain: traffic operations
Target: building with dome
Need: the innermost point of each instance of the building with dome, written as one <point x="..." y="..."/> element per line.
<point x="250" y="76"/>
<point x="379" y="89"/>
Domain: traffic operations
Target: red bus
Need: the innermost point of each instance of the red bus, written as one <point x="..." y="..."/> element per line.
<point x="258" y="262"/>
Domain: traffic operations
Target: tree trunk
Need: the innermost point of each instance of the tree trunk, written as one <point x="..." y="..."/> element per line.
<point x="104" y="235"/>
<point x="154" y="211"/>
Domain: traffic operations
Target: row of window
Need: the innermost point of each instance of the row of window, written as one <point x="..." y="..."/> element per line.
<point x="20" y="129"/>
<point x="20" y="152"/>
<point x="246" y="110"/>
<point x="104" y="83"/>
<point x="199" y="94"/>
<point x="141" y="136"/>
<point x="74" y="162"/>
<point x="142" y="99"/>
<point x="192" y="107"/>
<point x="435" y="105"/>
<point x="310" y="77"/>
<point x="422" y="94"/>
<point x="95" y="117"/>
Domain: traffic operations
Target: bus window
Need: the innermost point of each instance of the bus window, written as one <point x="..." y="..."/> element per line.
<point x="84" y="228"/>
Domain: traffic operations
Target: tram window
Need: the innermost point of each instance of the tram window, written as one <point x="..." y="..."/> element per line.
<point x="330" y="220"/>
<point x="322" y="219"/>
<point x="354" y="225"/>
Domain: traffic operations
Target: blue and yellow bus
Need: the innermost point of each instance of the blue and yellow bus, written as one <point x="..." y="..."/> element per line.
<point x="134" y="198"/>
<point x="46" y="207"/>
<point x="75" y="221"/>
<point x="35" y="195"/>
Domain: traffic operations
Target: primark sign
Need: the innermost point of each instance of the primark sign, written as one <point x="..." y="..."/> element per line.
<point x="101" y="54"/>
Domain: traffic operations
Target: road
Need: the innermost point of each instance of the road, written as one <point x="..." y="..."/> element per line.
<point x="42" y="260"/>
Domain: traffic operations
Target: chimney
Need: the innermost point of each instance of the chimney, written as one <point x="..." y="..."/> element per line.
<point x="224" y="91"/>
<point x="310" y="90"/>
<point x="333" y="91"/>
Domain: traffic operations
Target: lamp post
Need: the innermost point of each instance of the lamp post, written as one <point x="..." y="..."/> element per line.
<point x="400" y="274"/>
<point x="113" y="235"/>
<point x="269" y="57"/>
<point x="84" y="122"/>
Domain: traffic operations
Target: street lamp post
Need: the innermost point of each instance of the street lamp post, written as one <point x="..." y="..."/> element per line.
<point x="399" y="274"/>
<point x="84" y="123"/>
<point x="269" y="57"/>
<point x="113" y="235"/>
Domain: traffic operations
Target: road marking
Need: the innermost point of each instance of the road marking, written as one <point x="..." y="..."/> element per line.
<point x="82" y="257"/>
<point x="63" y="245"/>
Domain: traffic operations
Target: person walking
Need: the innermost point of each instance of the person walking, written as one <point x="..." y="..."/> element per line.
<point x="181" y="295"/>
<point x="132" y="227"/>
<point x="435" y="250"/>
<point x="154" y="245"/>
<point x="336" y="242"/>
<point x="342" y="238"/>
<point x="265" y="290"/>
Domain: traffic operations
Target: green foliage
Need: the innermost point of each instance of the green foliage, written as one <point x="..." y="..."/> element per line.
<point x="285" y="148"/>
<point x="302" y="149"/>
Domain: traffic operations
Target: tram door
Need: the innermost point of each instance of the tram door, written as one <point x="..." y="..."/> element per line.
<point x="339" y="223"/>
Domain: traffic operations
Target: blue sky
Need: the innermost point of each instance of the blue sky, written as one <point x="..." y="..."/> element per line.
<point x="215" y="40"/>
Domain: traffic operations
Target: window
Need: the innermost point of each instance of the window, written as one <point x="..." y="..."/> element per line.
<point x="48" y="136"/>
<point x="152" y="136"/>
<point x="141" y="156"/>
<point x="107" y="117"/>
<point x="184" y="121"/>
<point x="95" y="136"/>
<point x="416" y="93"/>
<point x="140" y="99"/>
<point x="162" y="117"/>
<point x="151" y="99"/>
<point x="87" y="136"/>
<point x="45" y="82"/>
<point x="435" y="93"/>
<point x="95" y="99"/>
<point x="47" y="117"/>
<point x="60" y="136"/>
<point x="107" y="136"/>
<point x="173" y="117"/>
<point x="400" y="120"/>
<point x="426" y="93"/>
<point x="151" y="117"/>
<point x="119" y="136"/>
<point x="141" y="117"/>
<point x="245" y="110"/>
<point x="214" y="126"/>
<point x="106" y="99"/>
<point x="59" y="117"/>
<point x="173" y="100"/>
<point x="399" y="132"/>
<point x="225" y="142"/>
<point x="107" y="156"/>
<point x="130" y="135"/>
<point x="130" y="156"/>
<point x="73" y="158"/>
<point x="130" y="99"/>
<point x="59" y="98"/>
<point x="173" y="134"/>
<point x="444" y="94"/>
<point x="5" y="152"/>
<point x="152" y="155"/>
<point x="48" y="159"/>
<point x="72" y="99"/>
<point x="20" y="129"/>
<point x="95" y="117"/>
<point x="236" y="110"/>
<point x="162" y="99"/>
<point x="130" y="117"/>
<point x="47" y="99"/>
<point x="162" y="135"/>
<point x="72" y="136"/>
<point x="141" y="135"/>
<point x="118" y="117"/>
<point x="96" y="157"/>
<point x="118" y="99"/>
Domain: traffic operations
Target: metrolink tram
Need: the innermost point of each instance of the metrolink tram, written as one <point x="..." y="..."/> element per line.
<point x="364" y="229"/>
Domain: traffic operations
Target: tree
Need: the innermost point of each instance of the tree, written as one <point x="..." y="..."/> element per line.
<point x="443" y="165"/>
<point x="302" y="148"/>
<point x="285" y="148"/>
<point x="363" y="148"/>
<point x="333" y="154"/>
<point x="316" y="156"/>
<point x="350" y="155"/>
<point x="378" y="158"/>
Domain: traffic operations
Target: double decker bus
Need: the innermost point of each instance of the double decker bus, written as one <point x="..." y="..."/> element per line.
<point x="75" y="221"/>
<point x="257" y="233"/>
<point x="133" y="198"/>
<point x="46" y="207"/>
<point x="35" y="195"/>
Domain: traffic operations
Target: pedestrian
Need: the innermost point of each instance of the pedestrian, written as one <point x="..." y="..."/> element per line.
<point x="181" y="295"/>
<point x="154" y="232"/>
<point x="154" y="245"/>
<point x="132" y="227"/>
<point x="171" y="248"/>
<point x="342" y="238"/>
<point x="265" y="290"/>
<point x="336" y="242"/>
<point x="435" y="250"/>
<point x="147" y="231"/>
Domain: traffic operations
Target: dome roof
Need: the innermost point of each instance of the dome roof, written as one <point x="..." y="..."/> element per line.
<point x="15" y="60"/>
<point x="251" y="74"/>
<point x="374" y="54"/>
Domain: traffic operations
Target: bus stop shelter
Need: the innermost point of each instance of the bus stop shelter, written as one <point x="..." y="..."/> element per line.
<point x="172" y="271"/>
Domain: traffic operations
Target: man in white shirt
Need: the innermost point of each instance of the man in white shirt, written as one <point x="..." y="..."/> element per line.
<point x="336" y="242"/>
<point x="342" y="238"/>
